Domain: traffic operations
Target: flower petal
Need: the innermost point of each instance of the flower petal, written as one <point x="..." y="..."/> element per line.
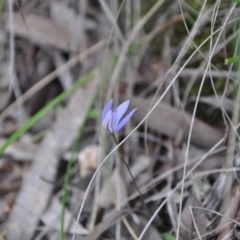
<point x="107" y="119"/>
<point x="124" y="121"/>
<point x="119" y="112"/>
<point x="106" y="109"/>
<point x="111" y="124"/>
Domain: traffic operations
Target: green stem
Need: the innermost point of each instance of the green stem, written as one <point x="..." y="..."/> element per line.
<point x="66" y="183"/>
<point x="125" y="163"/>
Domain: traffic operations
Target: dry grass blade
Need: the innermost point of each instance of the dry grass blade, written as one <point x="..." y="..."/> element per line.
<point x="51" y="218"/>
<point x="129" y="41"/>
<point x="230" y="154"/>
<point x="107" y="223"/>
<point x="199" y="221"/>
<point x="129" y="228"/>
<point x="192" y="217"/>
<point x="195" y="109"/>
<point x="111" y="18"/>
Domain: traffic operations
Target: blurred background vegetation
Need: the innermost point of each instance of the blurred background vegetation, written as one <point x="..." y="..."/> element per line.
<point x="176" y="61"/>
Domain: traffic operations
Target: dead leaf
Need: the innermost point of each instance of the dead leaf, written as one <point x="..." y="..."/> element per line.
<point x="213" y="161"/>
<point x="66" y="78"/>
<point x="40" y="30"/>
<point x="6" y="203"/>
<point x="105" y="224"/>
<point x="51" y="217"/>
<point x="21" y="151"/>
<point x="111" y="186"/>
<point x="168" y="120"/>
<point x="141" y="163"/>
<point x="67" y="18"/>
<point x="214" y="197"/>
<point x="226" y="224"/>
<point x="187" y="218"/>
<point x="225" y="103"/>
<point x="4" y="99"/>
<point x="200" y="220"/>
<point x="75" y="24"/>
<point x="10" y="177"/>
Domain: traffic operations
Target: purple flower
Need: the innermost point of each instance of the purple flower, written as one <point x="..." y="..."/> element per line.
<point x="112" y="120"/>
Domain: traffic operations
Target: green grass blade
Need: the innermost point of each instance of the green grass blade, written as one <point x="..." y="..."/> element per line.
<point x="232" y="60"/>
<point x="36" y="117"/>
<point x="168" y="236"/>
<point x="2" y="6"/>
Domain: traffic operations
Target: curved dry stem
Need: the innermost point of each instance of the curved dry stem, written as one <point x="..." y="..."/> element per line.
<point x="224" y="113"/>
<point x="195" y="224"/>
<point x="214" y="16"/>
<point x="189" y="39"/>
<point x="192" y="120"/>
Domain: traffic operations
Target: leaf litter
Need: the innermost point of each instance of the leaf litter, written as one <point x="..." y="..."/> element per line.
<point x="32" y="169"/>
